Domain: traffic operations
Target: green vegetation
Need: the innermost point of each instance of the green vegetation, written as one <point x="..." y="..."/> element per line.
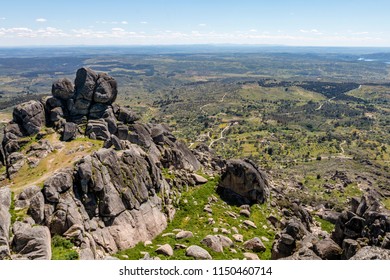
<point x="191" y="216"/>
<point x="62" y="249"/>
<point x="16" y="215"/>
<point x="325" y="225"/>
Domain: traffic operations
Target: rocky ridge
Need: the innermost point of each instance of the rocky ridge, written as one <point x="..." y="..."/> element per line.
<point x="109" y="200"/>
<point x="125" y="193"/>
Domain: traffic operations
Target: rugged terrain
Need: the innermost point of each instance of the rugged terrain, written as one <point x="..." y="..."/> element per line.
<point x="84" y="177"/>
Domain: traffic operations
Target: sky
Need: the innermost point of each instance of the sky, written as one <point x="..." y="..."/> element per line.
<point x="158" y="22"/>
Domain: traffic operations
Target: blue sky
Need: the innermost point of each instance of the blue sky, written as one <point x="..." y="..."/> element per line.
<point x="151" y="22"/>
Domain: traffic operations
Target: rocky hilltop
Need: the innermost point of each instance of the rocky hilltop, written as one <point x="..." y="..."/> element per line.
<point x="120" y="182"/>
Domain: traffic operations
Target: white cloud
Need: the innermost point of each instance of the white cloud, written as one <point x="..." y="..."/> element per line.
<point x="117" y="29"/>
<point x="41" y="20"/>
<point x="144" y="22"/>
<point x="202" y="24"/>
<point x="253" y="30"/>
<point x="124" y="22"/>
<point x="312" y="31"/>
<point x="2" y="18"/>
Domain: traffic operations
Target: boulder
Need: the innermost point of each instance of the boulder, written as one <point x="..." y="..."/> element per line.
<point x="97" y="129"/>
<point x="127" y="116"/>
<point x="213" y="242"/>
<point x="106" y="89"/>
<point x="199" y="179"/>
<point x="372" y="253"/>
<point x="60" y="182"/>
<point x="350" y="248"/>
<point x="254" y="245"/>
<point x="70" y="131"/>
<point x="327" y="249"/>
<point x="30" y="116"/>
<point x="251" y="256"/>
<point x="165" y="250"/>
<point x="31" y="242"/>
<point x="62" y="89"/>
<point x="184" y="234"/>
<point x="198" y="253"/>
<point x="243" y="183"/>
<point x="85" y="84"/>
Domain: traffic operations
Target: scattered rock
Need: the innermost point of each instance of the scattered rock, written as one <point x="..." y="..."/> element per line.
<point x="184" y="235"/>
<point x="62" y="89"/>
<point x="165" y="249"/>
<point x="255" y="245"/>
<point x="243" y="183"/>
<point x="213" y="242"/>
<point x="245" y="213"/>
<point x="327" y="249"/>
<point x="372" y="253"/>
<point x="199" y="179"/>
<point x="251" y="256"/>
<point x="198" y="253"/>
<point x="238" y="237"/>
<point x="249" y="224"/>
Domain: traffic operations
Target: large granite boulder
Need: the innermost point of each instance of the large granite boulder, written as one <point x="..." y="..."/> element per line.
<point x="32" y="242"/>
<point x="30" y="116"/>
<point x="63" y="89"/>
<point x="243" y="182"/>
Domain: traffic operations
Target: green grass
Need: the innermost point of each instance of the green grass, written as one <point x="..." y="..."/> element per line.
<point x="191" y="216"/>
<point x="386" y="203"/>
<point x="325" y="225"/>
<point x="62" y="249"/>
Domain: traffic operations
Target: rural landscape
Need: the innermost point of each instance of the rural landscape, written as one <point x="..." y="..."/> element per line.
<point x="195" y="152"/>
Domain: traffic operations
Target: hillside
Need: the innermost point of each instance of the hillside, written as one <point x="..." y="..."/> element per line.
<point x="84" y="177"/>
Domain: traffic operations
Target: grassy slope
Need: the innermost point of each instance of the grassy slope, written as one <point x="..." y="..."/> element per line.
<point x="191" y="216"/>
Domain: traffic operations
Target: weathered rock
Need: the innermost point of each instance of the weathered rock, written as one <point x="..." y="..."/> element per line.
<point x="249" y="224"/>
<point x="251" y="256"/>
<point x="213" y="242"/>
<point x="5" y="222"/>
<point x="327" y="249"/>
<point x="98" y="129"/>
<point x="238" y="237"/>
<point x="350" y="247"/>
<point x="70" y="131"/>
<point x="245" y="213"/>
<point x="165" y="249"/>
<point x="184" y="234"/>
<point x="199" y="179"/>
<point x="37" y="208"/>
<point x="198" y="253"/>
<point x="85" y="83"/>
<point x="372" y="253"/>
<point x="126" y="116"/>
<point x="106" y="89"/>
<point x="30" y="116"/>
<point x="243" y="178"/>
<point x="58" y="183"/>
<point x="62" y="89"/>
<point x="31" y="242"/>
<point x="255" y="245"/>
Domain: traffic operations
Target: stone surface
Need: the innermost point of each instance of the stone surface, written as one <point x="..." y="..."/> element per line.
<point x="213" y="242"/>
<point x="70" y="131"/>
<point x="30" y="116"/>
<point x="63" y="89"/>
<point x="244" y="183"/>
<point x="327" y="249"/>
<point x="5" y="222"/>
<point x="184" y="234"/>
<point x="165" y="250"/>
<point x="254" y="245"/>
<point x="198" y="253"/>
<point x="372" y="253"/>
<point x="251" y="256"/>
<point x="31" y="242"/>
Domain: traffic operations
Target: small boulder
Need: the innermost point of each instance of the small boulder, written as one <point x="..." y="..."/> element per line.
<point x="198" y="253"/>
<point x="165" y="250"/>
<point x="251" y="256"/>
<point x="327" y="249"/>
<point x="254" y="245"/>
<point x="184" y="234"/>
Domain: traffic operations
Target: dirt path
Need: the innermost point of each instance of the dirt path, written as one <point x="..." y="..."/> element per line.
<point x="320" y="107"/>
<point x="221" y="137"/>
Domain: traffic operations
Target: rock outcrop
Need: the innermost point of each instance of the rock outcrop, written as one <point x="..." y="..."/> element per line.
<point x="5" y="223"/>
<point x="243" y="183"/>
